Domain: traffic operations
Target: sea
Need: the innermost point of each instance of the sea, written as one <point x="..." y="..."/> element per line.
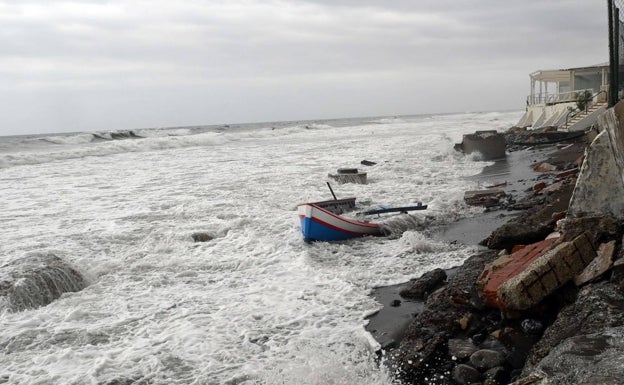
<point x="118" y="212"/>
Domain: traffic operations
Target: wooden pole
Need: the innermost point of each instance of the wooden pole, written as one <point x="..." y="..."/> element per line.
<point x="332" y="191"/>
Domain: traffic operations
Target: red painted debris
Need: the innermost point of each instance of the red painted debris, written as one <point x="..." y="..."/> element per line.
<point x="568" y="173"/>
<point x="552" y="188"/>
<point x="544" y="167"/>
<point x="517" y="248"/>
<point x="539" y="186"/>
<point x="558" y="215"/>
<point x="496" y="274"/>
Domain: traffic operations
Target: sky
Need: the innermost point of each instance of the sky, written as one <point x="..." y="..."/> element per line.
<point x="96" y="65"/>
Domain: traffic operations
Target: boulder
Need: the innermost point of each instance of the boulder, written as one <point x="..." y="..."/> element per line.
<point x="485" y="359"/>
<point x="427" y="283"/>
<point x="596" y="358"/>
<point x="36" y="280"/>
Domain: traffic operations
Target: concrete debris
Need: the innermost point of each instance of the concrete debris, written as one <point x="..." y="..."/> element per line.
<point x="546" y="273"/>
<point x="599" y="265"/>
<point x="349" y="175"/>
<point x="507" y="267"/>
<point x="490" y="144"/>
<point x="486" y="198"/>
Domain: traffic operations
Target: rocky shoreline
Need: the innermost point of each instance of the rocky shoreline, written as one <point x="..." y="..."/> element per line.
<point x="448" y="333"/>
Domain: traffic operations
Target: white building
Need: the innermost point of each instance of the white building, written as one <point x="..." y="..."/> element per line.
<point x="552" y="101"/>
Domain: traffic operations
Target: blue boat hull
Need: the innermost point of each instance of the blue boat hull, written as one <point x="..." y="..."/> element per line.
<point x="319" y="224"/>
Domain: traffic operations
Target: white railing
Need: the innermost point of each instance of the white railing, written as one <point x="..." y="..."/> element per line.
<point x="563" y="97"/>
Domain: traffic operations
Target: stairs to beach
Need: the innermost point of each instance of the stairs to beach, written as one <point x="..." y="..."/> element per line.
<point x="579" y="117"/>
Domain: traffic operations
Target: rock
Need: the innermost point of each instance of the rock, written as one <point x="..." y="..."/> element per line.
<point x="461" y="348"/>
<point x="597" y="306"/>
<point x="464" y="321"/>
<point x="585" y="359"/>
<point x="533" y="225"/>
<point x="602" y="228"/>
<point x="201" y="237"/>
<point x="496" y="376"/>
<point x="532" y="326"/>
<point x="395" y="303"/>
<point x="423" y="351"/>
<point x="485" y="359"/>
<point x="37" y="280"/>
<point x="466" y="374"/>
<point x="425" y="284"/>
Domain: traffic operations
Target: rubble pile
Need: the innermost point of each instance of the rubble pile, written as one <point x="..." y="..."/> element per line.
<point x="545" y="304"/>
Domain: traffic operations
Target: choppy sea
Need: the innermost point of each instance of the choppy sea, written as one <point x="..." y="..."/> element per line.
<point x="252" y="305"/>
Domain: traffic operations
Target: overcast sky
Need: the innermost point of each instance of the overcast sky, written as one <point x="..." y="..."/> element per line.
<point x="103" y="65"/>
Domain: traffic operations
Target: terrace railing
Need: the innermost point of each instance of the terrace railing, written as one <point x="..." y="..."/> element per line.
<point x="563" y="97"/>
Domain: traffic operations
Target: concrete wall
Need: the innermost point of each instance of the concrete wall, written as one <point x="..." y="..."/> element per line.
<point x="599" y="188"/>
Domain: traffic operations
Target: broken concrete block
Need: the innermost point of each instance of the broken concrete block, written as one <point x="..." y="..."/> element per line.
<point x="541" y="277"/>
<point x="490" y="144"/>
<point x="599" y="265"/>
<point x="504" y="268"/>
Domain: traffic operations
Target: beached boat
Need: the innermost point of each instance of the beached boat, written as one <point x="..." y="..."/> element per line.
<point x="321" y="221"/>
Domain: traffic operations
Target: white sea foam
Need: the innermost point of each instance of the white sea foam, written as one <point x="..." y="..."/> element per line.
<point x="255" y="305"/>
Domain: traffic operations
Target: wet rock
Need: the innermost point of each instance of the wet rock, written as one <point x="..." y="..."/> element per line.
<point x="532" y="326"/>
<point x="585" y="359"/>
<point x="533" y="225"/>
<point x="202" y="237"/>
<point x="461" y="348"/>
<point x="496" y="376"/>
<point x="422" y="286"/>
<point x="36" y="280"/>
<point x="601" y="228"/>
<point x="597" y="306"/>
<point x="485" y="359"/>
<point x="423" y="351"/>
<point x="466" y="374"/>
